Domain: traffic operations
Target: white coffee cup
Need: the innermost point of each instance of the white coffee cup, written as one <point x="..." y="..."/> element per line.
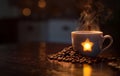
<point x="89" y="43"/>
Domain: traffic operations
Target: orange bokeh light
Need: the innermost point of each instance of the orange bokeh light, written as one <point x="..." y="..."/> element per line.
<point x="42" y="4"/>
<point x="26" y="11"/>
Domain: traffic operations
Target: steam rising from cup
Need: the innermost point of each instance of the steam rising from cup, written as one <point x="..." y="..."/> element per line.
<point x="93" y="13"/>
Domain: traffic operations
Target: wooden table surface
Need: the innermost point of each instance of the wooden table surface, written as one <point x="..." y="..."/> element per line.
<point x="30" y="59"/>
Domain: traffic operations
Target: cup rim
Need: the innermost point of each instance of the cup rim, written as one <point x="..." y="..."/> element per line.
<point x="87" y="32"/>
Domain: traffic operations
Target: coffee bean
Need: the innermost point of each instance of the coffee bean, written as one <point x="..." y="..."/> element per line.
<point x="118" y="67"/>
<point x="73" y="61"/>
<point x="89" y="62"/>
<point x="70" y="55"/>
<point x="59" y="58"/>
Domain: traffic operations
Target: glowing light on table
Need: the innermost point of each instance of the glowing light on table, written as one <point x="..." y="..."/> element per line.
<point x="87" y="70"/>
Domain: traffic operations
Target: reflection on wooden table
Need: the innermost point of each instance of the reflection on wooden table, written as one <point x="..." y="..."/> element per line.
<point x="30" y="59"/>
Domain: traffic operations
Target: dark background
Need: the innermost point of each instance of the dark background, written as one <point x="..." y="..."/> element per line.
<point x="11" y="18"/>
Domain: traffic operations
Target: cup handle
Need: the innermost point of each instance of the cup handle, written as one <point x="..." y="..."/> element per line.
<point x="111" y="41"/>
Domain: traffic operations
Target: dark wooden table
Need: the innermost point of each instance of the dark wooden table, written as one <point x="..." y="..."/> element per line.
<point x="30" y="59"/>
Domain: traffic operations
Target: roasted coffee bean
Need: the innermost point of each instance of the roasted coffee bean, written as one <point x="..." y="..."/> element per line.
<point x="59" y="58"/>
<point x="50" y="57"/>
<point x="70" y="55"/>
<point x="118" y="67"/>
<point x="77" y="60"/>
<point x="89" y="62"/>
<point x="73" y="61"/>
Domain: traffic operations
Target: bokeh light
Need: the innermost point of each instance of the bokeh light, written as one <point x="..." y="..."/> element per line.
<point x="42" y="3"/>
<point x="26" y="11"/>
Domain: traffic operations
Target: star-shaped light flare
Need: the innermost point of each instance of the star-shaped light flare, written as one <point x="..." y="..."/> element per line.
<point x="87" y="45"/>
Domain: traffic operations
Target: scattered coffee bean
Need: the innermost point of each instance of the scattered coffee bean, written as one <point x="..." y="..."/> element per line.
<point x="118" y="67"/>
<point x="68" y="54"/>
